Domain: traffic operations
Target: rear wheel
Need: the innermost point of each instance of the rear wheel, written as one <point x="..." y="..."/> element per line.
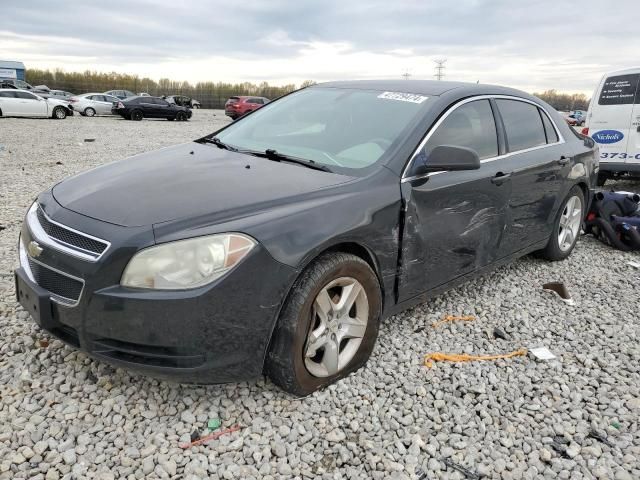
<point x="567" y="226"/>
<point x="137" y="115"/>
<point x="59" y="113"/>
<point x="328" y="326"/>
<point x="89" y="112"/>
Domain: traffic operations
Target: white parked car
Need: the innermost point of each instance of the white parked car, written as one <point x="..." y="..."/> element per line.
<point x="90" y="104"/>
<point x="20" y="103"/>
<point x="613" y="122"/>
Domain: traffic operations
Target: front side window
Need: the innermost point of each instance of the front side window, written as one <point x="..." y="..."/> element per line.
<point x="339" y="128"/>
<point x="25" y="96"/>
<point x="619" y="90"/>
<point x="472" y="126"/>
<point x="522" y="124"/>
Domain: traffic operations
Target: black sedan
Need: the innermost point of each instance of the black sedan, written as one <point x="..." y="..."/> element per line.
<point x="278" y="243"/>
<point x="137" y="108"/>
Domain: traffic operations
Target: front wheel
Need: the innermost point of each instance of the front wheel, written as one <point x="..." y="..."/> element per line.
<point x="59" y="113"/>
<point x="328" y="326"/>
<point x="181" y="116"/>
<point x="566" y="227"/>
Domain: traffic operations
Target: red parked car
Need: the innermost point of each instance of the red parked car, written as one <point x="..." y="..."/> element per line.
<point x="238" y="106"/>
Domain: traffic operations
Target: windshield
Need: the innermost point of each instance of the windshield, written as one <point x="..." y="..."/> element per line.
<point x="345" y="128"/>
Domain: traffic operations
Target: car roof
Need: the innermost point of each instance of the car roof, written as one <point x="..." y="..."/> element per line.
<point x="422" y="87"/>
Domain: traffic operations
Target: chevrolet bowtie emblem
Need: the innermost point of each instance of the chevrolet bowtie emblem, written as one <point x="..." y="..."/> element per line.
<point x="34" y="249"/>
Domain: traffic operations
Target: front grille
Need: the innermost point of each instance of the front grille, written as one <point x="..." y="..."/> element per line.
<point x="70" y="237"/>
<point x="64" y="288"/>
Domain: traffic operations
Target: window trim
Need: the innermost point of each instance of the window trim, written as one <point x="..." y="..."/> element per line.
<point x="407" y="168"/>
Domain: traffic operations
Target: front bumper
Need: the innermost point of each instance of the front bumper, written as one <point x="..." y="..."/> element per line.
<point x="213" y="334"/>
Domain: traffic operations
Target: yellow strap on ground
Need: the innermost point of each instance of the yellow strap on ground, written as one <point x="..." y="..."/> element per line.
<point x="463" y="357"/>
<point x="453" y="318"/>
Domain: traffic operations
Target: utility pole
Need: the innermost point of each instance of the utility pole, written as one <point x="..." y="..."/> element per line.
<point x="440" y="68"/>
<point x="406" y="75"/>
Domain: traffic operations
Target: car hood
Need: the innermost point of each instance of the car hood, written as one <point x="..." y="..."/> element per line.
<point x="187" y="180"/>
<point x="55" y="101"/>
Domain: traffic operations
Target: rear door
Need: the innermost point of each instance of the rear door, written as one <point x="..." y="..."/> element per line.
<point x="611" y="119"/>
<point x="539" y="163"/>
<point x="633" y="143"/>
<point x="454" y="221"/>
<point x="9" y="103"/>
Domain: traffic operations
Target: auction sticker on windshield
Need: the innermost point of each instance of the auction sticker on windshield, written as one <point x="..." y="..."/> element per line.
<point x="403" y="97"/>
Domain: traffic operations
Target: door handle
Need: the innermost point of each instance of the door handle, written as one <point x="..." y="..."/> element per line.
<point x="564" y="160"/>
<point x="500" y="178"/>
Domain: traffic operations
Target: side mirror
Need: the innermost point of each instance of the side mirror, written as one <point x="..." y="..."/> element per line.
<point x="446" y="158"/>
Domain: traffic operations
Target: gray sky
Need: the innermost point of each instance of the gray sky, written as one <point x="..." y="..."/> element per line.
<point x="532" y="45"/>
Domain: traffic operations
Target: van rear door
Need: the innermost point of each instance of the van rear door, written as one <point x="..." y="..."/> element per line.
<point x="633" y="142"/>
<point x="610" y="121"/>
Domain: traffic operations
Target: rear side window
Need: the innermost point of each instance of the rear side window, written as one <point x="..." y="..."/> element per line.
<point x="550" y="132"/>
<point x="7" y="95"/>
<point x="472" y="126"/>
<point x="522" y="124"/>
<point x="619" y="90"/>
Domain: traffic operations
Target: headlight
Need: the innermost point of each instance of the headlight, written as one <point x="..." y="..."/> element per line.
<point x="186" y="263"/>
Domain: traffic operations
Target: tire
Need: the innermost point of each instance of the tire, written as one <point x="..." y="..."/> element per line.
<point x="289" y="363"/>
<point x="555" y="250"/>
<point x="89" y="112"/>
<point x="137" y="115"/>
<point x="59" y="113"/>
<point x="602" y="179"/>
<point x="181" y="117"/>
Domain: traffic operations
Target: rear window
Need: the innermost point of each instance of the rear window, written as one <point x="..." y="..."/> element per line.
<point x="522" y="123"/>
<point x="234" y="99"/>
<point x="619" y="90"/>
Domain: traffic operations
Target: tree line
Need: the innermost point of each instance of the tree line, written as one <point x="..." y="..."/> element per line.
<point x="214" y="94"/>
<point x="210" y="94"/>
<point x="564" y="102"/>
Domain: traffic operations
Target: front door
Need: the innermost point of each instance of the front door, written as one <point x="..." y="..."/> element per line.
<point x="30" y="106"/>
<point x="454" y="221"/>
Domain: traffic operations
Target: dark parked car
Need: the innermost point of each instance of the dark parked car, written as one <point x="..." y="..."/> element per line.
<point x="236" y="107"/>
<point x="183" y="101"/>
<point x="278" y="243"/>
<point x="137" y="108"/>
<point x="121" y="94"/>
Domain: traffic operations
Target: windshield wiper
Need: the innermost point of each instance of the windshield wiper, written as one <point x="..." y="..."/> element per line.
<point x="220" y="144"/>
<point x="276" y="156"/>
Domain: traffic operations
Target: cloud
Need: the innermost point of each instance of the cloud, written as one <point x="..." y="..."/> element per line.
<point x="531" y="45"/>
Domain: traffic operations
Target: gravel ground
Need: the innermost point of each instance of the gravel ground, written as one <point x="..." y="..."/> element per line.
<point x="63" y="415"/>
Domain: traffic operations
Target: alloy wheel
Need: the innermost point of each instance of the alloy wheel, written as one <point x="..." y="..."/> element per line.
<point x="340" y="316"/>
<point x="570" y="222"/>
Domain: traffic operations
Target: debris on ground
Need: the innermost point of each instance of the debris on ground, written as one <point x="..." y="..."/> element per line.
<point x="497" y="333"/>
<point x="195" y="435"/>
<point x="560" y="290"/>
<point x="634" y="264"/>
<point x="2" y="227"/>
<point x="463" y="357"/>
<point x="600" y="437"/>
<point x="542" y="353"/>
<point x="615" y="425"/>
<point x="212" y="436"/>
<point x="453" y="318"/>
<point x="419" y="329"/>
<point x="43" y="343"/>
<point x="214" y="424"/>
<point x="58" y="162"/>
<point x="465" y="471"/>
<point x="89" y="139"/>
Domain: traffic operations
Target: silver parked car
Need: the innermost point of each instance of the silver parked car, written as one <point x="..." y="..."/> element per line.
<point x="90" y="104"/>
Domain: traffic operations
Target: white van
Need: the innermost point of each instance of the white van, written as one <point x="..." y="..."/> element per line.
<point x="613" y="122"/>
